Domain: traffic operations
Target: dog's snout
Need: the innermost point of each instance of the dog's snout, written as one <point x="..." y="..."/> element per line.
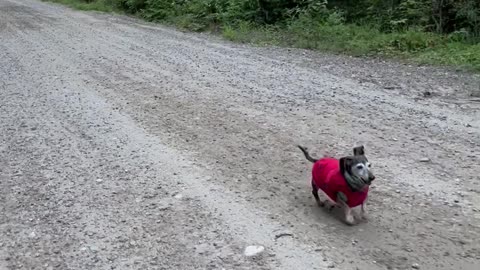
<point x="371" y="178"/>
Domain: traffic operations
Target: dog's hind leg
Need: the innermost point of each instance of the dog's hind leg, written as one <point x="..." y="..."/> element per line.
<point x="323" y="200"/>
<point x="315" y="195"/>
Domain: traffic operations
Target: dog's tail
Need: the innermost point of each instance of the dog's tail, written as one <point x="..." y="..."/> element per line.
<point x="307" y="155"/>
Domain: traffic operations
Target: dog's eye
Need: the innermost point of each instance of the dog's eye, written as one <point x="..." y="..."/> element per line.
<point x="360" y="166"/>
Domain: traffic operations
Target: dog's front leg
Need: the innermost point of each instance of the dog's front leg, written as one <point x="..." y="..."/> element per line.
<point x="363" y="212"/>
<point x="342" y="201"/>
<point x="363" y="209"/>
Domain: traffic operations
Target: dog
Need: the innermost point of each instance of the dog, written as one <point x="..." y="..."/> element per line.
<point x="342" y="182"/>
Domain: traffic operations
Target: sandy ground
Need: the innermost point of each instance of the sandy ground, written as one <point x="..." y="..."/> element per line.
<point x="127" y="145"/>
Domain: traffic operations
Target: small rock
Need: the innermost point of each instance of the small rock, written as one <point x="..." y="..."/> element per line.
<point x="425" y="159"/>
<point x="456" y="201"/>
<point x="331" y="265"/>
<point x="251" y="251"/>
<point x="99" y="180"/>
<point x="468" y="125"/>
<point x="415" y="266"/>
<point x="202" y="248"/>
<point x="32" y="235"/>
<point x="178" y="196"/>
<point x="280" y="235"/>
<point x="163" y="207"/>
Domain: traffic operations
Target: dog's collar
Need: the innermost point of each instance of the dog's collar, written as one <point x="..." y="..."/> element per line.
<point x="354" y="182"/>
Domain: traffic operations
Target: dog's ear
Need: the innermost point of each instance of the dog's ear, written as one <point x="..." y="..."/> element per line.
<point x="359" y="151"/>
<point x="345" y="163"/>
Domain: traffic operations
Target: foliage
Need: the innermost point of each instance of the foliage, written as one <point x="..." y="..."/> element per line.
<point x="438" y="31"/>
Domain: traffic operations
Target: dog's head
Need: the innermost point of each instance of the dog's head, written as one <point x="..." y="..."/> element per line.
<point x="356" y="169"/>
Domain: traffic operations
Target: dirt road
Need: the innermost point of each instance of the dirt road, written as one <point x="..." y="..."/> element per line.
<point x="127" y="145"/>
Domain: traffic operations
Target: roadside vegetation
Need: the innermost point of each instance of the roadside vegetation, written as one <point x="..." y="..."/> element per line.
<point x="441" y="32"/>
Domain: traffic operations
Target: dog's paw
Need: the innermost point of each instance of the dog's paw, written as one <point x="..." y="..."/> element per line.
<point x="359" y="215"/>
<point x="320" y="203"/>
<point x="329" y="206"/>
<point x="349" y="220"/>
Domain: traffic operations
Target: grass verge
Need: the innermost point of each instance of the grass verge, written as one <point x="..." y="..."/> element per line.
<point x="304" y="32"/>
<point x="99" y="5"/>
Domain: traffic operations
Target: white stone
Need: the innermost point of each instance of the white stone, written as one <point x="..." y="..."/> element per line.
<point x="253" y="250"/>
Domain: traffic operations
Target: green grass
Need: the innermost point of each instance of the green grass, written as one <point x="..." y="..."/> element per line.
<point x="100" y="5"/>
<point x="413" y="46"/>
<point x="331" y="36"/>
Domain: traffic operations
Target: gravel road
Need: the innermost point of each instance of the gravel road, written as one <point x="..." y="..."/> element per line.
<point x="128" y="145"/>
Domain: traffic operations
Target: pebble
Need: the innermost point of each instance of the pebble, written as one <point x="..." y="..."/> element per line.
<point x="331" y="265"/>
<point x="99" y="180"/>
<point x="202" y="248"/>
<point x="415" y="266"/>
<point x="251" y="251"/>
<point x="178" y="196"/>
<point x="425" y="159"/>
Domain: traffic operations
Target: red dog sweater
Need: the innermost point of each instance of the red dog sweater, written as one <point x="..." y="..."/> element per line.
<point x="326" y="175"/>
